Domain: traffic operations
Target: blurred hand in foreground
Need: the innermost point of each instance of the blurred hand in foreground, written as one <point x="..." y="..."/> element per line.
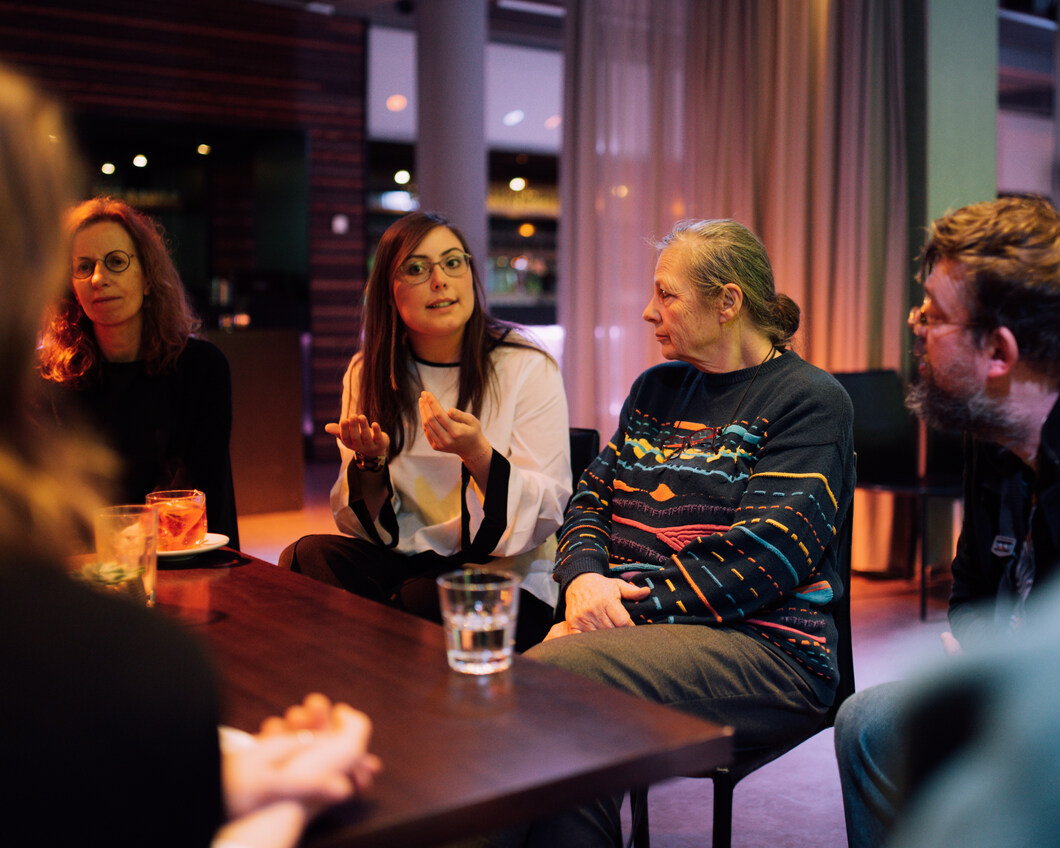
<point x="313" y="756"/>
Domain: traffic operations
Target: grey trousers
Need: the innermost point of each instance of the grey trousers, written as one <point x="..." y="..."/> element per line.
<point x="717" y="673"/>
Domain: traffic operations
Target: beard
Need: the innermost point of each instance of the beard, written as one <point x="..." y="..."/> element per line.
<point x="968" y="407"/>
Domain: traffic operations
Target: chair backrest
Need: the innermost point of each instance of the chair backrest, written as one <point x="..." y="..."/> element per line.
<point x="886" y="436"/>
<point x="584" y="448"/>
<point x="841" y="616"/>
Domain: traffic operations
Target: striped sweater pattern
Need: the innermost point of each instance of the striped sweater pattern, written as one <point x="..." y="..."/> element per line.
<point x="729" y="516"/>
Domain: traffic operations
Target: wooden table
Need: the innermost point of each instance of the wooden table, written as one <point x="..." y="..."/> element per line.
<point x="463" y="755"/>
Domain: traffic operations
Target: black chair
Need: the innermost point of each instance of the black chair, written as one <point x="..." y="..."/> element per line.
<point x="725" y="779"/>
<point x="584" y="448"/>
<point x="887" y="440"/>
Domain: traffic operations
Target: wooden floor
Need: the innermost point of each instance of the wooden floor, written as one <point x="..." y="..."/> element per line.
<point x="794" y="802"/>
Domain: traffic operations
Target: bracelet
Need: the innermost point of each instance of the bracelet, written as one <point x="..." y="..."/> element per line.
<point x="374" y="464"/>
<point x="487" y="452"/>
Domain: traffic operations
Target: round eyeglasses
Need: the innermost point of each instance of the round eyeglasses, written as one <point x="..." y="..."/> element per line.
<point x="414" y="271"/>
<point x="116" y="261"/>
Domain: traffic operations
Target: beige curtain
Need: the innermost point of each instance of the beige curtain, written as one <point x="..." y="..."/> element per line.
<point x="785" y="115"/>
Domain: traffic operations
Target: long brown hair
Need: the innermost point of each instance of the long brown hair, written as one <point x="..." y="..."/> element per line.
<point x="69" y="351"/>
<point x="388" y="393"/>
<point x="47" y="491"/>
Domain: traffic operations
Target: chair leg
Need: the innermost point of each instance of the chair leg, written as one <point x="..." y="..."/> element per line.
<point x="638" y="810"/>
<point x="922" y="509"/>
<point x="723" y="789"/>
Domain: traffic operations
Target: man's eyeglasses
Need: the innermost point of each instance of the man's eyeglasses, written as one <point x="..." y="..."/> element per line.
<point x="116" y="261"/>
<point x="414" y="271"/>
<point x="920" y="320"/>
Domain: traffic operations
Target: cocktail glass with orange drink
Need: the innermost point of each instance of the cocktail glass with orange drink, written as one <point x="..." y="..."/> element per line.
<point x="181" y="518"/>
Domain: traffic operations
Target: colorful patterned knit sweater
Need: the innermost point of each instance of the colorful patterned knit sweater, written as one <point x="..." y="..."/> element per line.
<point x="735" y="530"/>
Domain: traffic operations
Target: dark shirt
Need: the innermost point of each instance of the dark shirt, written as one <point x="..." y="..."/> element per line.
<point x="108" y="720"/>
<point x="998" y="494"/>
<point x="171" y="430"/>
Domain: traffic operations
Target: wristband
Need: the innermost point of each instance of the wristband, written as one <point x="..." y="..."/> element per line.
<point x="374" y="464"/>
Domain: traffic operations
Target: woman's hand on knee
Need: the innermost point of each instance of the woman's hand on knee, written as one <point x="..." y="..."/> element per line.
<point x="594" y="602"/>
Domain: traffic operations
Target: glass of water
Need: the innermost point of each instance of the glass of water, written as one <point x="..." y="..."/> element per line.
<point x="479" y="609"/>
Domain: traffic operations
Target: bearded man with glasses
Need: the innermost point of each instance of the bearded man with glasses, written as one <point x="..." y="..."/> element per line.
<point x="988" y="347"/>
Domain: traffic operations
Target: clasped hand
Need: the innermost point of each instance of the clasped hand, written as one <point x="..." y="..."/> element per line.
<point x="315" y="755"/>
<point x="594" y="602"/>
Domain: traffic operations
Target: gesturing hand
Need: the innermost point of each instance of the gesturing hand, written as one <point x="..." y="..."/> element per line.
<point x="357" y="434"/>
<point x="452" y="430"/>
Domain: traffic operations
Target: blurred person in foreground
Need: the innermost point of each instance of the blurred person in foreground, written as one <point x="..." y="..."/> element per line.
<point x="119" y="353"/>
<point x="108" y="722"/>
<point x="988" y="343"/>
<point x="453" y="438"/>
<point x="698" y="556"/>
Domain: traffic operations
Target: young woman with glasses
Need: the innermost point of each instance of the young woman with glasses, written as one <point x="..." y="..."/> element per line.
<point x="118" y="350"/>
<point x="453" y="435"/>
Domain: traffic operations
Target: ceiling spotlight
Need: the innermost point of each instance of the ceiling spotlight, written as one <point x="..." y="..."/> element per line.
<point x="517" y="184"/>
<point x="107" y="168"/>
<point x="203" y="149"/>
<point x="402" y="177"/>
<point x="140" y="161"/>
<point x="513" y="118"/>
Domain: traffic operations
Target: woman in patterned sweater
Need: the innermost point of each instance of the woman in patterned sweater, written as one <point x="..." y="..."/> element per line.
<point x="712" y="516"/>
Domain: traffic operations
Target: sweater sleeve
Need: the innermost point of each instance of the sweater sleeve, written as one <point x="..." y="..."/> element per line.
<point x="783" y="524"/>
<point x="585" y="538"/>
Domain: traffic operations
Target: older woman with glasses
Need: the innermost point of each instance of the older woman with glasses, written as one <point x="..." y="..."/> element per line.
<point x="119" y="351"/>
<point x="453" y="435"/>
<point x="698" y="557"/>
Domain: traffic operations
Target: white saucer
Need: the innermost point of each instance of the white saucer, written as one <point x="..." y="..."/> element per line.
<point x="212" y="542"/>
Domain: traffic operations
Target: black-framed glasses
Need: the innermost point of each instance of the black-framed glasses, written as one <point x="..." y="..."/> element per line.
<point x="417" y="270"/>
<point x="116" y="261"/>
<point x="705" y="437"/>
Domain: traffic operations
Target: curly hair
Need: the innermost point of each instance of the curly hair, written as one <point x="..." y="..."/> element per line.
<point x="69" y="350"/>
<point x="387" y="391"/>
<point x="723" y="251"/>
<point x="1009" y="250"/>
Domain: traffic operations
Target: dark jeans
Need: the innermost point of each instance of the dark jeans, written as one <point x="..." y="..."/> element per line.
<point x="405" y="581"/>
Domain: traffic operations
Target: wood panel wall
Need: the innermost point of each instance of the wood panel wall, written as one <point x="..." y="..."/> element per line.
<point x="242" y="64"/>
